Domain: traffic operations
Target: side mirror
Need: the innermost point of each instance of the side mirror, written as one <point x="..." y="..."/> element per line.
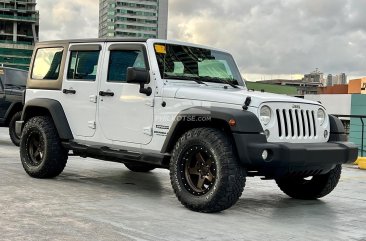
<point x="139" y="76"/>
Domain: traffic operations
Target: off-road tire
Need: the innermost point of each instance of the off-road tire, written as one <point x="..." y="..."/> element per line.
<point x="140" y="167"/>
<point x="318" y="187"/>
<point x="54" y="158"/>
<point x="230" y="177"/>
<point x="13" y="135"/>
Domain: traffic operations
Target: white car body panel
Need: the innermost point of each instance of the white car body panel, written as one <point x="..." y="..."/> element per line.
<point x="123" y="121"/>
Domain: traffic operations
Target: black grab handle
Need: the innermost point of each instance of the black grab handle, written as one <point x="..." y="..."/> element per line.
<point x="104" y="93"/>
<point x="66" y="91"/>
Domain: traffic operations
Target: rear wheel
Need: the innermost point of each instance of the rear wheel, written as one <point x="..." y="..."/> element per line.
<point x="13" y="135"/>
<point x="310" y="188"/>
<point x="204" y="171"/>
<point x="140" y="167"/>
<point x="41" y="152"/>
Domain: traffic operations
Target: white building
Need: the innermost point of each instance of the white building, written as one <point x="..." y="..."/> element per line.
<point x="133" y="18"/>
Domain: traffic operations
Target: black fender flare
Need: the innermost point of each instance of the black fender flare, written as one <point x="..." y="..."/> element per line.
<point x="11" y="109"/>
<point x="337" y="131"/>
<point x="56" y="111"/>
<point x="246" y="122"/>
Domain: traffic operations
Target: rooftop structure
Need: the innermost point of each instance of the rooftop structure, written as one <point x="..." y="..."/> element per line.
<point x="133" y="18"/>
<point x="19" y="27"/>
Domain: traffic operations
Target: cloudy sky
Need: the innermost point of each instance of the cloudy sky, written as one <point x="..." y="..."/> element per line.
<point x="268" y="38"/>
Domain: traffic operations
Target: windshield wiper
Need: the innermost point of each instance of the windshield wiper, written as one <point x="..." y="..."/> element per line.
<point x="186" y="78"/>
<point x="219" y="80"/>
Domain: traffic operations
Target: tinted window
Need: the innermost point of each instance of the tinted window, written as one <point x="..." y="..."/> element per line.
<point x="1" y="79"/>
<point x="16" y="78"/>
<point x="47" y="64"/>
<point x="120" y="60"/>
<point x="83" y="65"/>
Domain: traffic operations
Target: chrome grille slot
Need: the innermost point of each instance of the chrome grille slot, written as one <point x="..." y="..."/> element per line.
<point x="296" y="123"/>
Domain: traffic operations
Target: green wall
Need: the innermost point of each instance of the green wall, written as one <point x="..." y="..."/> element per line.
<point x="358" y="107"/>
<point x="15" y="58"/>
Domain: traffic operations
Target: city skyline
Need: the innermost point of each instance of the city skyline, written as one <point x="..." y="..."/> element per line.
<point x="279" y="39"/>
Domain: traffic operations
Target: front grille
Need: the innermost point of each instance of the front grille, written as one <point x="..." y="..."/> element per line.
<point x="296" y="123"/>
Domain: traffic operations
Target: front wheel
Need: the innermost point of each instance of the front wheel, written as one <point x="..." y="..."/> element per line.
<point x="204" y="171"/>
<point x="310" y="188"/>
<point x="41" y="151"/>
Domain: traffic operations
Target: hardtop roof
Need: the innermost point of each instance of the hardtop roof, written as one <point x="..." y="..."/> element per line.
<point x="94" y="40"/>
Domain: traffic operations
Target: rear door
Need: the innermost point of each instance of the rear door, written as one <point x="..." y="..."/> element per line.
<point x="80" y="87"/>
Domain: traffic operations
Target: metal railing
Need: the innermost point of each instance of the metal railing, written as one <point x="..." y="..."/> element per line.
<point x="352" y="131"/>
<point x="20" y="18"/>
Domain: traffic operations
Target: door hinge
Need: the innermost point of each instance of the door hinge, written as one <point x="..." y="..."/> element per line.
<point x="92" y="124"/>
<point x="93" y="98"/>
<point x="148" y="131"/>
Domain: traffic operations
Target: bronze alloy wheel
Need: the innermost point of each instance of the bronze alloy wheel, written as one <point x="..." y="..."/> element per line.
<point x="199" y="170"/>
<point x="36" y="148"/>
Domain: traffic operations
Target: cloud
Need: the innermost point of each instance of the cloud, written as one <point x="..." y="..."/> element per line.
<point x="267" y="37"/>
<point x="68" y="19"/>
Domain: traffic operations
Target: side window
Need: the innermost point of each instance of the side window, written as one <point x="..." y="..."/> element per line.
<point x="16" y="78"/>
<point x="1" y="84"/>
<point x="1" y="80"/>
<point x="47" y="64"/>
<point x="120" y="60"/>
<point x="83" y="65"/>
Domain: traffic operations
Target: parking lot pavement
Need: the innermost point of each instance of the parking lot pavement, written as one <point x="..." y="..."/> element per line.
<point x="96" y="200"/>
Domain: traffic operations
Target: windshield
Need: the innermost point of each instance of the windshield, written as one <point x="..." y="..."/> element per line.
<point x="191" y="63"/>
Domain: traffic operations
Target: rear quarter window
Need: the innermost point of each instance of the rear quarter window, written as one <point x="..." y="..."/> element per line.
<point x="47" y="64"/>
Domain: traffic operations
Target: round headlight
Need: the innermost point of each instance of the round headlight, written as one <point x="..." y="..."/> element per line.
<point x="265" y="115"/>
<point x="321" y="116"/>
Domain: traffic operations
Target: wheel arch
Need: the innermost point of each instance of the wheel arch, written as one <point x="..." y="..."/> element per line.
<point x="14" y="108"/>
<point x="216" y="117"/>
<point x="52" y="108"/>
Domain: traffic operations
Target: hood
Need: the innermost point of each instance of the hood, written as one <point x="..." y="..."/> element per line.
<point x="234" y="96"/>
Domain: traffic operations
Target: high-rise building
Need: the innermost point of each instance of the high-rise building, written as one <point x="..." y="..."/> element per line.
<point x="342" y="78"/>
<point x="19" y="26"/>
<point x="330" y="80"/>
<point x="314" y="77"/>
<point x="133" y="18"/>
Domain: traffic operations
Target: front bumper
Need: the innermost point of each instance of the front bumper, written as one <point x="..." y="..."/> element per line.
<point x="291" y="158"/>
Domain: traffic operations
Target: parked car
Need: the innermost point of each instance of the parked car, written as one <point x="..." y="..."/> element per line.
<point x="12" y="88"/>
<point x="165" y="104"/>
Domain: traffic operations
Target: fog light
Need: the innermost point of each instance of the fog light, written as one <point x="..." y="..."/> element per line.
<point x="265" y="155"/>
<point x="267" y="133"/>
<point x="326" y="134"/>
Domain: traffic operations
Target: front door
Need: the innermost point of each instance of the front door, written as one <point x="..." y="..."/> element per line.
<point x="125" y="115"/>
<point x="80" y="88"/>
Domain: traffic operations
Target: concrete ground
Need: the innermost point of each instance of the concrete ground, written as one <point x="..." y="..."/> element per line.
<point x="96" y="200"/>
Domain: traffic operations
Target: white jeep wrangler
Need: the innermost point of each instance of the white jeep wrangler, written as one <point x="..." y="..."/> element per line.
<point x="163" y="104"/>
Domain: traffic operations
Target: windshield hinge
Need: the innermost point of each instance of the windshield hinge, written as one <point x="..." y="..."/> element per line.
<point x="247" y="102"/>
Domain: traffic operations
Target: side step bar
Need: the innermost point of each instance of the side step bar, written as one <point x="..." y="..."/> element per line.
<point x="120" y="156"/>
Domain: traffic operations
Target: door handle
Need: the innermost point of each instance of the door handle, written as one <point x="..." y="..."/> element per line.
<point x="106" y="93"/>
<point x="66" y="91"/>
